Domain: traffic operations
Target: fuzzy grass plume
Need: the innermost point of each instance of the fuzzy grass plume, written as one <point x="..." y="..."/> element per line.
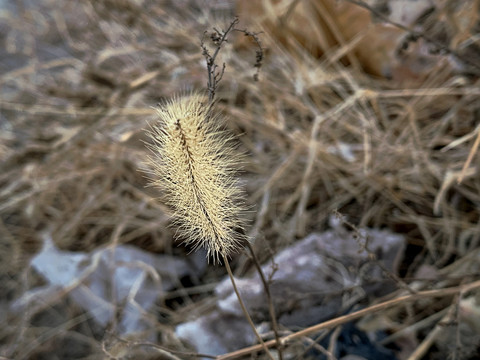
<point x="193" y="163"/>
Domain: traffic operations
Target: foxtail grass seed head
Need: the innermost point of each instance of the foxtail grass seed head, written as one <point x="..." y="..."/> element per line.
<point x="193" y="163"/>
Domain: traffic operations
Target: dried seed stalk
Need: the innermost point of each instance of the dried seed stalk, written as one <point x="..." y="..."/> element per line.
<point x="193" y="163"/>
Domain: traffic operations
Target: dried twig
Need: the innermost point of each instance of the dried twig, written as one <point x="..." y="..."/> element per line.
<point x="219" y="37"/>
<point x="354" y="316"/>
<point x="373" y="257"/>
<point x="271" y="307"/>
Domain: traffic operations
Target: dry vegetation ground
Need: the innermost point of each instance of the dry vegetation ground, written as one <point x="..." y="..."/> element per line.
<point x="377" y="120"/>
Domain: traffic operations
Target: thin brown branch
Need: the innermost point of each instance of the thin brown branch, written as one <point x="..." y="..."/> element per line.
<point x="354" y="316"/>
<point x="271" y="308"/>
<point x="219" y="37"/>
<point x="245" y="311"/>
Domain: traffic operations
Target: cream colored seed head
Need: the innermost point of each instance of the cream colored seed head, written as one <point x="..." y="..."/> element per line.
<point x="193" y="163"/>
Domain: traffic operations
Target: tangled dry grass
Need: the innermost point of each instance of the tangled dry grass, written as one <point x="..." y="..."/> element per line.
<point x="390" y="147"/>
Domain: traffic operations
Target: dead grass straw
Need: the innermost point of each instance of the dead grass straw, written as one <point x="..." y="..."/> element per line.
<point x="394" y="150"/>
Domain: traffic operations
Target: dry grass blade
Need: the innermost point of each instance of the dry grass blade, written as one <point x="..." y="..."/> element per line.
<point x="402" y="300"/>
<point x="375" y="120"/>
<point x="471" y="154"/>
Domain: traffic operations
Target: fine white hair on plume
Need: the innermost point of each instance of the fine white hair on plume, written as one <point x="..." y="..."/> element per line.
<point x="194" y="164"/>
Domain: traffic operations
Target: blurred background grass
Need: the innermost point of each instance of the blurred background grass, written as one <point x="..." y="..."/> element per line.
<point x="368" y="108"/>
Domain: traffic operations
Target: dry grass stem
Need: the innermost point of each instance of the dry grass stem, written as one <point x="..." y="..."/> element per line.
<point x="376" y="118"/>
<point x="245" y="311"/>
<point x="271" y="307"/>
<point x="402" y="300"/>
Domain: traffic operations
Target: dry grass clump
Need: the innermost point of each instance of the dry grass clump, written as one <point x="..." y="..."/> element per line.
<point x="77" y="85"/>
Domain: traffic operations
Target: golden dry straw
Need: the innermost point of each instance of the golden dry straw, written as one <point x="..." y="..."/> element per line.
<point x="193" y="162"/>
